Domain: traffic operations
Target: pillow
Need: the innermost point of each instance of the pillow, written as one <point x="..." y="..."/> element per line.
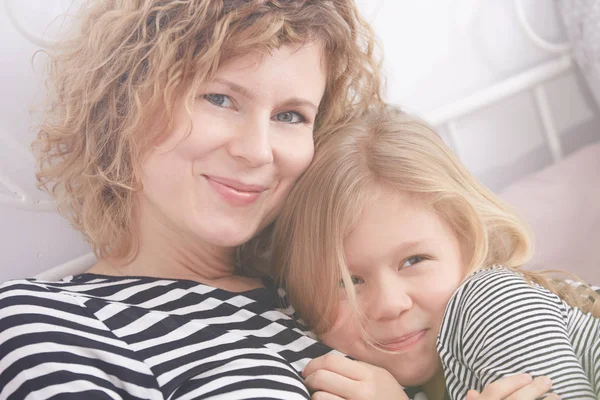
<point x="562" y="205"/>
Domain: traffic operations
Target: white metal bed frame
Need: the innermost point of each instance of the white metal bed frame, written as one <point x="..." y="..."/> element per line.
<point x="532" y="80"/>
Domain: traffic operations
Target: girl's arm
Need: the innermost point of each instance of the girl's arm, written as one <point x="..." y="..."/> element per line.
<point x="498" y="325"/>
<point x="515" y="387"/>
<point x="334" y="377"/>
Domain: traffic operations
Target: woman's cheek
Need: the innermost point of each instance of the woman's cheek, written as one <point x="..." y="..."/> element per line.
<point x="294" y="153"/>
<point x="306" y="156"/>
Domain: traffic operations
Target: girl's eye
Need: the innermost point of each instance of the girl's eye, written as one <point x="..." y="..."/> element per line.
<point x="412" y="261"/>
<point x="290" y="117"/>
<point x="355" y="281"/>
<point x="219" y="100"/>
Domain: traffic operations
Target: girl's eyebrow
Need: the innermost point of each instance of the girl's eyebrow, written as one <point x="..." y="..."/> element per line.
<point x="294" y="101"/>
<point x="402" y="249"/>
<point x="412" y="245"/>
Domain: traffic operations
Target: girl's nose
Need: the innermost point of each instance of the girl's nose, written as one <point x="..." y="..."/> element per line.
<point x="389" y="300"/>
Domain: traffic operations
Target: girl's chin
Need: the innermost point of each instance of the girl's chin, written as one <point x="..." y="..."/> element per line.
<point x="418" y="376"/>
<point x="231" y="241"/>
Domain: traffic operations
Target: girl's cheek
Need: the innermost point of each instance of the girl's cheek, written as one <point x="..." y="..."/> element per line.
<point x="344" y="332"/>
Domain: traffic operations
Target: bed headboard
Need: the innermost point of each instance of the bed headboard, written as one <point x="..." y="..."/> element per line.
<point x="36" y="241"/>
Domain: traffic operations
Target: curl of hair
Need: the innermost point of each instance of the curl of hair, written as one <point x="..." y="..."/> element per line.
<point x="112" y="86"/>
<point x="392" y="151"/>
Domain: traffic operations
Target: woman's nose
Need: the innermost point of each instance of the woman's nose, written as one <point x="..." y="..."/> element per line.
<point x="389" y="300"/>
<point x="252" y="143"/>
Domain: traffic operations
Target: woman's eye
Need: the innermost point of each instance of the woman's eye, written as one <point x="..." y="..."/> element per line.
<point x="412" y="261"/>
<point x="290" y="117"/>
<point x="355" y="281"/>
<point x="219" y="100"/>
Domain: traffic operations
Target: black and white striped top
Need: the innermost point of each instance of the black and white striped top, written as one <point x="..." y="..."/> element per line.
<point x="496" y="324"/>
<point x="101" y="337"/>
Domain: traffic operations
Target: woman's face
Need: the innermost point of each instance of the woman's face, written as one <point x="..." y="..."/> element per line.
<point x="406" y="262"/>
<point x="251" y="137"/>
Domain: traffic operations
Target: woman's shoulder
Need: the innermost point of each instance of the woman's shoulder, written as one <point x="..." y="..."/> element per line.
<point x="19" y="290"/>
<point x="40" y="323"/>
<point x="74" y="290"/>
<point x="30" y="305"/>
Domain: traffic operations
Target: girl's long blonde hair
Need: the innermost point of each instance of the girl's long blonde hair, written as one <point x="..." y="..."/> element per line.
<point x="113" y="83"/>
<point x="390" y="150"/>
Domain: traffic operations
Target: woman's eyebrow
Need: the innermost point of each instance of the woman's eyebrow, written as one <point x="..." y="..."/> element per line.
<point x="298" y="102"/>
<point x="237" y="88"/>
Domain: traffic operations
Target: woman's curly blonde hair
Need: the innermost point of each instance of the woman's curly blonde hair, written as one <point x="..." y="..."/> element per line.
<point x="112" y="87"/>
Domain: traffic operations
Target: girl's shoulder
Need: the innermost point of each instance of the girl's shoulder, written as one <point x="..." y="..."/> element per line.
<point x="496" y="272"/>
<point x="495" y="294"/>
<point x="497" y="281"/>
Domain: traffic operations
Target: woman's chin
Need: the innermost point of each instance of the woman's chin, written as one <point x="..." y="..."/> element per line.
<point x="229" y="237"/>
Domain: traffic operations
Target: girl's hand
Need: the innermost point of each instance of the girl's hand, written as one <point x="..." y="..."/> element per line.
<point x="335" y="377"/>
<point x="516" y="387"/>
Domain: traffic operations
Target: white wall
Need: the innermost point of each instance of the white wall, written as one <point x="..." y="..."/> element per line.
<point x="30" y="241"/>
<point x="437" y="51"/>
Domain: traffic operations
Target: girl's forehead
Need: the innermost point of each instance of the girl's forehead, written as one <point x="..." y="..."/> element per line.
<point x="395" y="218"/>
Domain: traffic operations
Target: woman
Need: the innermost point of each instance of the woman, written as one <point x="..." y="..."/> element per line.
<point x="174" y="131"/>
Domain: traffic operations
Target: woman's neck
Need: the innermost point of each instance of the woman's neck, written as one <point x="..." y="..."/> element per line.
<point x="163" y="253"/>
<point x="212" y="269"/>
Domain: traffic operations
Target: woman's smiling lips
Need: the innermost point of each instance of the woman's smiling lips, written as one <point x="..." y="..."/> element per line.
<point x="402" y="342"/>
<point x="235" y="192"/>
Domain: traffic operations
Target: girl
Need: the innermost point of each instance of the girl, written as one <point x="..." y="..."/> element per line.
<point x="397" y="256"/>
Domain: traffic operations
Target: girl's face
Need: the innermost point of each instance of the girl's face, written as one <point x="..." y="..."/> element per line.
<point x="406" y="262"/>
<point x="251" y="137"/>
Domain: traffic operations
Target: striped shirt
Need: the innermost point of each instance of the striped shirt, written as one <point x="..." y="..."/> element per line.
<point x="103" y="337"/>
<point x="496" y="325"/>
